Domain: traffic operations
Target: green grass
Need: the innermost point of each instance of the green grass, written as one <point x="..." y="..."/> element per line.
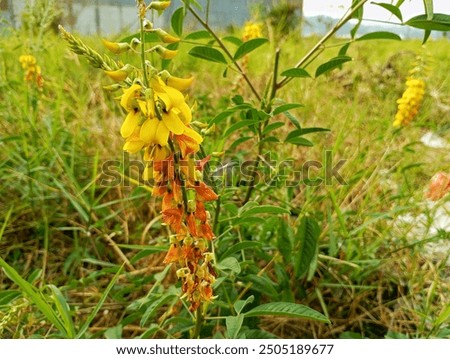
<point x="64" y="235"/>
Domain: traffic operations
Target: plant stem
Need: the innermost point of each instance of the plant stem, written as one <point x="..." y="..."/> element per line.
<point x="198" y="323"/>
<point x="268" y="108"/>
<point x="324" y="39"/>
<point x="225" y="50"/>
<point x="142" y="33"/>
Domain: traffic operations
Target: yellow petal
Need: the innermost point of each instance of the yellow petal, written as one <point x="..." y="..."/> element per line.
<point x="175" y="95"/>
<point x="179" y="83"/>
<point x="186" y="112"/>
<point x="133" y="146"/>
<point x="129" y="95"/>
<point x="148" y="130"/>
<point x="130" y="123"/>
<point x="193" y="134"/>
<point x="173" y="122"/>
<point x="118" y="75"/>
<point x="162" y="134"/>
<point x="157" y="84"/>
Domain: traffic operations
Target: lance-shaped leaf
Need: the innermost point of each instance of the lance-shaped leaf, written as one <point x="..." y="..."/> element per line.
<point x="208" y="54"/>
<point x="332" y="64"/>
<point x="439" y="22"/>
<point x="248" y="47"/>
<point x="379" y="35"/>
<point x="287" y="309"/>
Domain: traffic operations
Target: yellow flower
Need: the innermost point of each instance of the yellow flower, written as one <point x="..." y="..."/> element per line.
<point x="134" y="143"/>
<point x="129" y="98"/>
<point x="409" y="103"/>
<point x="32" y="70"/>
<point x="164" y="53"/>
<point x="120" y="74"/>
<point x="252" y="30"/>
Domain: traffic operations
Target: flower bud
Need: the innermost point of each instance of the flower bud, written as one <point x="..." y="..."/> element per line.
<point x="164" y="53"/>
<point x="121" y="74"/>
<point x="112" y="88"/>
<point x="134" y="43"/>
<point x="148" y="25"/>
<point x="159" y="5"/>
<point x="165" y="37"/>
<point x="116" y="47"/>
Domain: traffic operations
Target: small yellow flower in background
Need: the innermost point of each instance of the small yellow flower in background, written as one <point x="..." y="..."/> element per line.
<point x="252" y="30"/>
<point x="409" y="103"/>
<point x="32" y="70"/>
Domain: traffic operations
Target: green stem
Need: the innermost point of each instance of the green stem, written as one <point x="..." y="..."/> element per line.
<point x="198" y="323"/>
<point x="227" y="53"/>
<point x="324" y="39"/>
<point x="142" y="33"/>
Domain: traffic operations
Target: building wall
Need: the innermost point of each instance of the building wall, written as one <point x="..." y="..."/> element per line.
<point x="111" y="16"/>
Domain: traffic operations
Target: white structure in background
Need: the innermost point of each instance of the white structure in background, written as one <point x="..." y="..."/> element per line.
<point x="112" y="16"/>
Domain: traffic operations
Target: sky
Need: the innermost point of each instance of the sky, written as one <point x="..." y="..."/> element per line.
<point x="336" y="8"/>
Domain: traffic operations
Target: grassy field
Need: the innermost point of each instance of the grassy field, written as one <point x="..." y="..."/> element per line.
<point x="66" y="229"/>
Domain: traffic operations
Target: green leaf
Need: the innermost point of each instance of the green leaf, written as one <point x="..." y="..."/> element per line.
<point x="286" y="107"/>
<point x="284" y="240"/>
<point x="234" y="325"/>
<point x="230" y="264"/>
<point x="228" y="112"/>
<point x="240" y="304"/>
<point x="272" y="126"/>
<point x="379" y="35"/>
<point x="234" y="40"/>
<point x="357" y="15"/>
<point x="35" y="296"/>
<point x="248" y="47"/>
<point x="426" y="36"/>
<point x="305" y="131"/>
<point x="439" y="22"/>
<point x="332" y="64"/>
<point x="238" y="125"/>
<point x="263" y="285"/>
<point x="265" y="209"/>
<point x="287" y="309"/>
<point x="394" y="10"/>
<point x="343" y="50"/>
<point x="429" y="9"/>
<point x="99" y="305"/>
<point x="155" y="305"/>
<point x="239" y="141"/>
<point x="208" y="54"/>
<point x="307" y="237"/>
<point x="292" y="119"/>
<point x="63" y="310"/>
<point x="300" y="141"/>
<point x="198" y="35"/>
<point x="177" y="21"/>
<point x="241" y="246"/>
<point x="7" y="296"/>
<point x="295" y="72"/>
<point x="148" y="37"/>
<point x="114" y="332"/>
